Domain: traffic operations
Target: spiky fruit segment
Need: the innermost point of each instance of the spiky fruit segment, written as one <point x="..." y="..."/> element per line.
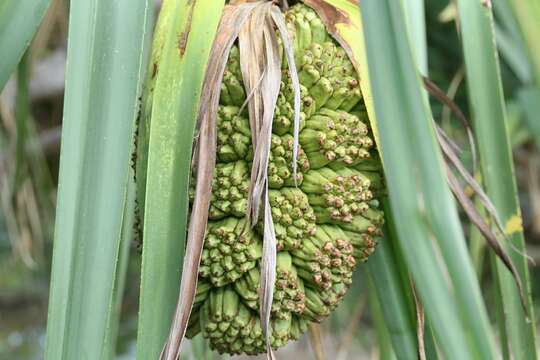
<point x="333" y="90"/>
<point x="233" y="328"/>
<point x="330" y="77"/>
<point x="363" y="243"/>
<point x="231" y="249"/>
<point x="305" y="27"/>
<point x="294" y="219"/>
<point x="203" y="289"/>
<point x="280" y="171"/>
<point x="335" y="136"/>
<point x="288" y="292"/>
<point x="233" y="134"/>
<point x="230" y="185"/>
<point x="371" y="164"/>
<point x="233" y="63"/>
<point x="340" y="194"/>
<point x="325" y="263"/>
<point x="344" y="197"/>
<point x="284" y="113"/>
<point x="324" y="68"/>
<point x="369" y="222"/>
<point x="232" y="88"/>
<point x="327" y="76"/>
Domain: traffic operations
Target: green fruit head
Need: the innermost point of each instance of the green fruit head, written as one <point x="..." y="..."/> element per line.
<point x="326" y="219"/>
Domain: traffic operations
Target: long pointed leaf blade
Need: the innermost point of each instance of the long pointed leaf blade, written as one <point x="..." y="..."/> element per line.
<point x="529" y="98"/>
<point x="188" y="35"/>
<point x="489" y="113"/>
<point x="527" y="14"/>
<point x="384" y="336"/>
<point x="431" y="238"/>
<point x="128" y="225"/>
<point x="104" y="72"/>
<point x="393" y="300"/>
<point x="415" y="11"/>
<point x="19" y="21"/>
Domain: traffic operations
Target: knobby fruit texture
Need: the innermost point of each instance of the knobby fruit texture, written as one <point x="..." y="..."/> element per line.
<point x="324" y="226"/>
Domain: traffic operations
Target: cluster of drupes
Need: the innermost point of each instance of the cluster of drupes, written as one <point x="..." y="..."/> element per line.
<point x="326" y="219"/>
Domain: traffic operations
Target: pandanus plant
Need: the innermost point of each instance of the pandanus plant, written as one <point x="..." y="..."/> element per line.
<point x="260" y="139"/>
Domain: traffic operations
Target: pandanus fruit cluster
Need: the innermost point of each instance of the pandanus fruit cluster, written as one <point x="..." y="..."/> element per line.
<point x="326" y="218"/>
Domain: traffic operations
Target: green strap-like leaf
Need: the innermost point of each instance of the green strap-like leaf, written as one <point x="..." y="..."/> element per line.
<point x="391" y="295"/>
<point x="19" y="20"/>
<point x="186" y="31"/>
<point x="22" y="114"/>
<point x="529" y="98"/>
<point x="385" y="339"/>
<point x="104" y="72"/>
<point x="430" y="235"/>
<point x="416" y="22"/>
<point x="528" y="14"/>
<point x="489" y="115"/>
<point x="128" y="232"/>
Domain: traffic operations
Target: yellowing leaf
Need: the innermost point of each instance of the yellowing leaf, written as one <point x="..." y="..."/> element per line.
<point x="514" y="225"/>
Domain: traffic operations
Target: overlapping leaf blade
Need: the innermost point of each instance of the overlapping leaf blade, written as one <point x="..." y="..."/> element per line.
<point x="386" y="267"/>
<point x="105" y="67"/>
<point x="19" y="21"/>
<point x="187" y="30"/>
<point x="528" y="13"/>
<point x="489" y="115"/>
<point x="392" y="297"/>
<point x="426" y="219"/>
<point x="415" y="11"/>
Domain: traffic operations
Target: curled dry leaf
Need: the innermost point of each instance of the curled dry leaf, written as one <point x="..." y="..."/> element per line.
<point x="451" y="151"/>
<point x="436" y="92"/>
<point x="260" y="63"/>
<point x="453" y="159"/>
<point x="490" y="237"/>
<point x="448" y="148"/>
<point x="261" y="68"/>
<point x="420" y="323"/>
<point x="204" y="159"/>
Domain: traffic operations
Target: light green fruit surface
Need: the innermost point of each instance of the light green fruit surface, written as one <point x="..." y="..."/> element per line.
<point x="324" y="225"/>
